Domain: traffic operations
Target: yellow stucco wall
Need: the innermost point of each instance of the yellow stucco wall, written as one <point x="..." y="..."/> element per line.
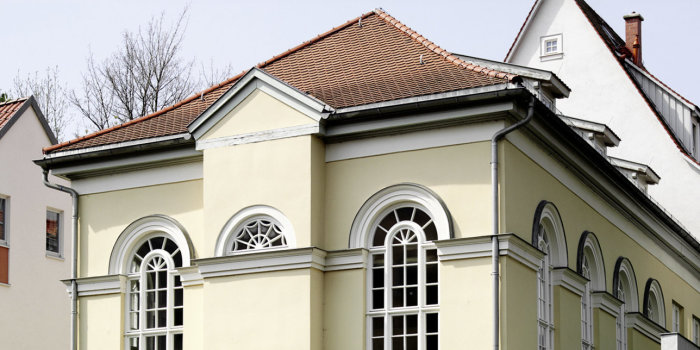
<point x="639" y="341"/>
<point x="257" y="112"/>
<point x="525" y="184"/>
<point x="518" y="305"/>
<point x="101" y="321"/>
<point x="458" y="174"/>
<point x="567" y="319"/>
<point x="260" y="311"/>
<point x="103" y="216"/>
<point x="344" y="312"/>
<point x="604" y="331"/>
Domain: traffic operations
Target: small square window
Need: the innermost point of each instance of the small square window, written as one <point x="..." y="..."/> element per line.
<point x="53" y="232"/>
<point x="551" y="47"/>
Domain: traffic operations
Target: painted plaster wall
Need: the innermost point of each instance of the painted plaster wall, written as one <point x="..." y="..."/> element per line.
<point x="604" y="330"/>
<point x="460" y="175"/>
<point x="526" y="184"/>
<point x="242" y="310"/>
<point x="640" y="341"/>
<point x="35" y="296"/>
<point x="602" y="92"/>
<point x="344" y="310"/>
<point x="567" y="319"/>
<point x="105" y="215"/>
<point x="518" y="290"/>
<point x="101" y="322"/>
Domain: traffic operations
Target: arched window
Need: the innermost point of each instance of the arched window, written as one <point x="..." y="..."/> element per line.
<point x="654" y="306"/>
<point x="547" y="236"/>
<point x="625" y="290"/>
<point x="149" y="252"/>
<point x="589" y="264"/>
<point x="255" y="228"/>
<point x="400" y="225"/>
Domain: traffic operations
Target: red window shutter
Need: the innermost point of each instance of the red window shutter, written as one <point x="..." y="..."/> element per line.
<point x="4" y="264"/>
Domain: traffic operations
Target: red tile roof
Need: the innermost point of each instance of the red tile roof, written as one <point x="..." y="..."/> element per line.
<point x="372" y="58"/>
<point x="8" y="109"/>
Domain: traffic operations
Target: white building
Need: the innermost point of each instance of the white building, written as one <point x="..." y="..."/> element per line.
<point x="34" y="236"/>
<point x="610" y="85"/>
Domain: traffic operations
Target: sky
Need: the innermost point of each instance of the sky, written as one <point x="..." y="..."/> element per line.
<point x="40" y="34"/>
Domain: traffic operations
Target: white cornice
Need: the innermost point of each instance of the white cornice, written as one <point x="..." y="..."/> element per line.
<point x="260" y="136"/>
<point x="606" y="302"/>
<point x="479" y="247"/>
<point x="570" y="280"/>
<point x="100" y="285"/>
<point x="183" y="136"/>
<point x="645" y="326"/>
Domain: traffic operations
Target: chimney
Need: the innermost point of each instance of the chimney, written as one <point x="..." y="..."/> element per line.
<point x="633" y="36"/>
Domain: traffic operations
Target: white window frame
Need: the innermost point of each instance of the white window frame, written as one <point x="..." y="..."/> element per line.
<point x="545" y="292"/>
<point x="558" y="53"/>
<point x="251" y="214"/>
<point x="695" y="138"/>
<point x="654" y="307"/>
<point x="625" y="291"/>
<point x="696" y="330"/>
<point x="6" y="202"/>
<point x="676" y="317"/>
<point x="422" y="309"/>
<point x="59" y="238"/>
<point x="592" y="268"/>
<point x="170" y="330"/>
<point x="586" y="308"/>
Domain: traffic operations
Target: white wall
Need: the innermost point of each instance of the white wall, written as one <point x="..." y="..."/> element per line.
<point x="602" y="92"/>
<point x="35" y="311"/>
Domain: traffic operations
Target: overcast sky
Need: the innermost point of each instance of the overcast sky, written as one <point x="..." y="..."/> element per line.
<point x="39" y="34"/>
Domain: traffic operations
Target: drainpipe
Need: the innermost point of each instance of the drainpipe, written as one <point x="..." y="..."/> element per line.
<point x="494" y="237"/>
<point x="74" y="261"/>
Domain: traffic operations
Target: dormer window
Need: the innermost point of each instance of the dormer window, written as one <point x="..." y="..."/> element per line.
<point x="551" y="47"/>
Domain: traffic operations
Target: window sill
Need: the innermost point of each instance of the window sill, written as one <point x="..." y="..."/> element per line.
<point x="5" y="285"/>
<point x="4" y="244"/>
<point x="551" y="57"/>
<point x="55" y="256"/>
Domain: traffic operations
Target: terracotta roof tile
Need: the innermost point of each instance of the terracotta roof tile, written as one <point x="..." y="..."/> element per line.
<point x="373" y="58"/>
<point x="8" y="109"/>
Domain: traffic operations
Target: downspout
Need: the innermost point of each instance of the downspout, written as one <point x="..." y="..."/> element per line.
<point x="74" y="260"/>
<point x="494" y="237"/>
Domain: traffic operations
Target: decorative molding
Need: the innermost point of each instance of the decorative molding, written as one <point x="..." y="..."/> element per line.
<point x="260" y="136"/>
<point x="160" y="139"/>
<point x="675" y="341"/>
<point x="140" y="178"/>
<point x="257" y="79"/>
<point x="227" y="234"/>
<point x="479" y="247"/>
<point x="606" y="302"/>
<point x="101" y="285"/>
<point x="644" y="325"/>
<point x="262" y="261"/>
<point x="569" y="279"/>
<point x="410" y="141"/>
<point x="346" y="259"/>
<point x="190" y="276"/>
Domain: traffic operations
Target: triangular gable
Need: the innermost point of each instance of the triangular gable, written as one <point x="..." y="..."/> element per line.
<point x="28" y="103"/>
<point x="257" y="80"/>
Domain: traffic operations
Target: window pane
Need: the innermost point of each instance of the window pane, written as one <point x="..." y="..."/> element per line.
<point x="162" y="317"/>
<point x="133" y="343"/>
<point x="412" y="296"/>
<point x="178" y="297"/>
<point x="378" y="344"/>
<point x="432" y="342"/>
<point x="431" y="323"/>
<point x="431" y="255"/>
<point x="162" y="298"/>
<point x="397" y="344"/>
<point x="150" y="343"/>
<point x="377" y="278"/>
<point x="397" y="297"/>
<point x="52" y="229"/>
<point x="378" y="299"/>
<point x="178" y="317"/>
<point x="397" y="325"/>
<point x="150" y="319"/>
<point x="161" y="342"/>
<point x="412" y="343"/>
<point x="431" y="273"/>
<point x="377" y="326"/>
<point x="421" y="218"/>
<point x="397" y="276"/>
<point x="177" y="342"/>
<point x="412" y="324"/>
<point x="405" y="213"/>
<point x="412" y="254"/>
<point x="412" y="275"/>
<point x="430" y="232"/>
<point x="431" y="295"/>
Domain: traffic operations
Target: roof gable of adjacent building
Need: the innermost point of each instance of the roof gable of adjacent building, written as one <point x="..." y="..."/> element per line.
<point x="11" y="111"/>
<point x="371" y="59"/>
<point x="675" y="113"/>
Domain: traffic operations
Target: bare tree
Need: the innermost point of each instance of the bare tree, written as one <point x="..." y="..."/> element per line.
<point x="145" y="75"/>
<point x="211" y="75"/>
<point x="49" y="93"/>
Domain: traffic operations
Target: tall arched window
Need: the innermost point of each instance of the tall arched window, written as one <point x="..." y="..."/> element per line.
<point x="547" y="236"/>
<point x="654" y="306"/>
<point x="398" y="225"/>
<point x="589" y="264"/>
<point x="149" y="252"/>
<point x="625" y="290"/>
<point x="154" y="298"/>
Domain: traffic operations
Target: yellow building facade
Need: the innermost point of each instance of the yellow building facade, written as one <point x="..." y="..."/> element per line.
<point x="280" y="222"/>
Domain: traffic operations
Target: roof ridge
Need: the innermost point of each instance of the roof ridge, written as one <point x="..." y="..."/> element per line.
<point x="448" y="56"/>
<point x="197" y="95"/>
<point x="21" y="99"/>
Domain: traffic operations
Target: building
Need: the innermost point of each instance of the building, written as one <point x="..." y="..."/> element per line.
<point x="340" y="196"/>
<point x="659" y="126"/>
<point x="33" y="242"/>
